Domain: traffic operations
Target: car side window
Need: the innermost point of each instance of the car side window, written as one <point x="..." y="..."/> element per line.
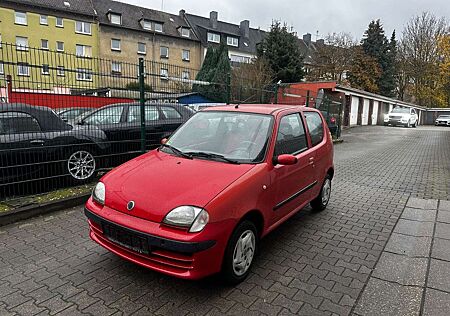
<point x="291" y="138"/>
<point x="315" y="127"/>
<point x="111" y="115"/>
<point x="17" y="122"/>
<point x="170" y="112"/>
<point x="134" y="114"/>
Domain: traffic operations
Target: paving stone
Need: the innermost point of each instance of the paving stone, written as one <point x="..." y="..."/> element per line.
<point x="444" y="205"/>
<point x="441" y="249"/>
<point x="443" y="216"/>
<point x="422" y="203"/>
<point x="442" y="231"/>
<point x="409" y="245"/>
<point x="437" y="303"/>
<point x="438" y="277"/>
<point x="419" y="215"/>
<point x="414" y="228"/>
<point x="386" y="298"/>
<point x="401" y="269"/>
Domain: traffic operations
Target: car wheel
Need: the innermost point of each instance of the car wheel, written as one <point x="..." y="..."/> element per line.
<point x="81" y="165"/>
<point x="240" y="252"/>
<point x="321" y="201"/>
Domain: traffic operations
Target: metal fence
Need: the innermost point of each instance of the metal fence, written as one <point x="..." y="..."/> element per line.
<point x="65" y="117"/>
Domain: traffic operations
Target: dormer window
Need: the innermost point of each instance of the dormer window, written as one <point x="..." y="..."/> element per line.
<point x="232" y="41"/>
<point x="158" y="27"/>
<point x="185" y="32"/>
<point x="213" y="37"/>
<point x="146" y="24"/>
<point x="115" y="18"/>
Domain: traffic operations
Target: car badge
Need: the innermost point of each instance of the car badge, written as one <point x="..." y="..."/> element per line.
<point x="130" y="205"/>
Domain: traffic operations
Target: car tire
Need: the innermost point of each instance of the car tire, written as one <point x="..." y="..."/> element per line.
<point x="321" y="201"/>
<point x="244" y="235"/>
<point x="81" y="165"/>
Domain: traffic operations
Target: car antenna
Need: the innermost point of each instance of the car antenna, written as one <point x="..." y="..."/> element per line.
<point x="239" y="103"/>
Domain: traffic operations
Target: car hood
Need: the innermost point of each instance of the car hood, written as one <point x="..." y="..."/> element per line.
<point x="446" y="119"/>
<point x="158" y="182"/>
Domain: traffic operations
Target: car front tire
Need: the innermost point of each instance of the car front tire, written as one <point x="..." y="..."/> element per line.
<point x="240" y="253"/>
<point x="321" y="201"/>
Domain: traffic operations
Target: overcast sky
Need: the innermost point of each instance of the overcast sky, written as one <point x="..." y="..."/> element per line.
<point x="326" y="16"/>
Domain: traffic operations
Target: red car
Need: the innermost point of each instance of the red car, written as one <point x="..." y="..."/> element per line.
<point x="201" y="202"/>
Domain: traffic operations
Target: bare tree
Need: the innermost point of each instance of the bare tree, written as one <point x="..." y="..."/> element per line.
<point x="333" y="58"/>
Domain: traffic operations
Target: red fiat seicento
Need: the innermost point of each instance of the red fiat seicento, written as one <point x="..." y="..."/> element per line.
<point x="202" y="201"/>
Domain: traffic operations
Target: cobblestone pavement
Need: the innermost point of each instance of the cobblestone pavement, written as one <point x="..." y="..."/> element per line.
<point x="314" y="264"/>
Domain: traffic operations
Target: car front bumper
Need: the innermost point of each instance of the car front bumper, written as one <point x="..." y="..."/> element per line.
<point x="190" y="256"/>
<point x="443" y="123"/>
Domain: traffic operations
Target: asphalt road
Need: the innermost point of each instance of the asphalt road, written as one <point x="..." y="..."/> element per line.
<point x="314" y="264"/>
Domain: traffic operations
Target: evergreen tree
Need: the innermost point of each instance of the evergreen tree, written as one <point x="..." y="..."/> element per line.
<point x="376" y="45"/>
<point x="280" y="48"/>
<point x="216" y="69"/>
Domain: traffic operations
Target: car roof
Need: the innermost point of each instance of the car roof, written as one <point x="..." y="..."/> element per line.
<point x="271" y="109"/>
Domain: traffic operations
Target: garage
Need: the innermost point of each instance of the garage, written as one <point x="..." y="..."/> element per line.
<point x="375" y="112"/>
<point x="365" y="112"/>
<point x="354" y="111"/>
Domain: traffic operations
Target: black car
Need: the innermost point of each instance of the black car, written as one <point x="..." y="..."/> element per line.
<point x="70" y="114"/>
<point x="35" y="143"/>
<point x="122" y="125"/>
<point x="331" y="122"/>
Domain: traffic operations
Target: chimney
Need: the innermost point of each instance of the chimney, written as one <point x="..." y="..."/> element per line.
<point x="244" y="28"/>
<point x="213" y="15"/>
<point x="182" y="13"/>
<point x="307" y="38"/>
<point x="320" y="42"/>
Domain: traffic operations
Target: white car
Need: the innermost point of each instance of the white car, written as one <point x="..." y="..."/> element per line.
<point x="443" y="120"/>
<point x="200" y="106"/>
<point x="402" y="116"/>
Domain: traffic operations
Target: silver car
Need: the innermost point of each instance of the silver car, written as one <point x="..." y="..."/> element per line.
<point x="443" y="120"/>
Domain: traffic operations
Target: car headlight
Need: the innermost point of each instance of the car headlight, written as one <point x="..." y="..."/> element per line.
<point x="98" y="194"/>
<point x="191" y="217"/>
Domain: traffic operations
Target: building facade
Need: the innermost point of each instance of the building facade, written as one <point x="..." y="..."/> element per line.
<point x="51" y="44"/>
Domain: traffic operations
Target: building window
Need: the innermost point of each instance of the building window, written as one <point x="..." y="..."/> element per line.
<point x="20" y="18"/>
<point x="84" y="74"/>
<point x="43" y="20"/>
<point x="59" y="22"/>
<point x="116" y="67"/>
<point x="158" y="27"/>
<point x="45" y="69"/>
<point x="115" y="18"/>
<point x="146" y="24"/>
<point x="164" y="74"/>
<point x="60" y="46"/>
<point x="83" y="27"/>
<point x="60" y="71"/>
<point x="115" y="44"/>
<point x="232" y="41"/>
<point x="186" y="55"/>
<point x="21" y="43"/>
<point x="164" y="52"/>
<point x="142" y="48"/>
<point x="185" y="75"/>
<point x="83" y="51"/>
<point x="213" y="37"/>
<point x="240" y="59"/>
<point x="44" y="44"/>
<point x="185" y="32"/>
<point x="23" y="69"/>
<point x="2" y="71"/>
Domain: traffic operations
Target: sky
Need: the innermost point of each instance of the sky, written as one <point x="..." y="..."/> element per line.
<point x="309" y="16"/>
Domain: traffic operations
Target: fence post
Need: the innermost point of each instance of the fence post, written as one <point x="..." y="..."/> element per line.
<point x="338" y="132"/>
<point x="228" y="88"/>
<point x="275" y="100"/>
<point x="142" y="101"/>
<point x="307" y="99"/>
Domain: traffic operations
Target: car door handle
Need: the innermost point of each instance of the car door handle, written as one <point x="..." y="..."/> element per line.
<point x="37" y="142"/>
<point x="311" y="160"/>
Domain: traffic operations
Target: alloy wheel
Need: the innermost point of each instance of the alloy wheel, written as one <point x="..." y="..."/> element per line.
<point x="81" y="165"/>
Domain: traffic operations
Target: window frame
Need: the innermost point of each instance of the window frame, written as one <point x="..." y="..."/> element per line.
<point x="16" y="17"/>
<point x="84" y="72"/>
<point x="156" y="27"/>
<point x="60" y="71"/>
<point x="185" y="29"/>
<point x="85" y="48"/>
<point x="308" y="131"/>
<point x="62" y="22"/>
<point x="160" y="52"/>
<point x="42" y="46"/>
<point x="22" y="47"/>
<point x="188" y="55"/>
<point x="211" y="40"/>
<point x="41" y="20"/>
<point x="164" y="77"/>
<point x="57" y="46"/>
<point x="111" y="15"/>
<point x="116" y="72"/>
<point x="144" y="52"/>
<point x="83" y="28"/>
<point x="305" y="133"/>
<point x="45" y="73"/>
<point x="27" y="65"/>
<point x="232" y="40"/>
<point x="120" y="45"/>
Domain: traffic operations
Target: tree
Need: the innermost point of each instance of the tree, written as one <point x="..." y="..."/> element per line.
<point x="420" y="47"/>
<point x="216" y="70"/>
<point x="280" y="48"/>
<point x="375" y="44"/>
<point x="365" y="71"/>
<point x="444" y="68"/>
<point x="333" y="59"/>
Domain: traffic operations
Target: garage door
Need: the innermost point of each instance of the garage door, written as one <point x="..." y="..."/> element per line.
<point x="375" y="113"/>
<point x="354" y="111"/>
<point x="365" y="112"/>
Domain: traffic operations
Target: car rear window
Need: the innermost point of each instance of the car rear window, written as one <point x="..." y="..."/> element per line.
<point x="315" y="127"/>
<point x="16" y="122"/>
<point x="170" y="112"/>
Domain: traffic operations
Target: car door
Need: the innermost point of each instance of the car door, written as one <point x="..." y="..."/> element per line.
<point x="316" y="129"/>
<point x="153" y="126"/>
<point x="22" y="146"/>
<point x="291" y="183"/>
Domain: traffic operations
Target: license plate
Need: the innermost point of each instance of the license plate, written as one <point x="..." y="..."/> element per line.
<point x="126" y="239"/>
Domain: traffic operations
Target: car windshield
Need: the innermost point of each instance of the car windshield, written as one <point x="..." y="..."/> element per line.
<point x="400" y="110"/>
<point x="225" y="136"/>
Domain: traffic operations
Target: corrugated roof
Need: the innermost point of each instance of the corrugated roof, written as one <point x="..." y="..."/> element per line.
<point x="131" y="16"/>
<point x="83" y="7"/>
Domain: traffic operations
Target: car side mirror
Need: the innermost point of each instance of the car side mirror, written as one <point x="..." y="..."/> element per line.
<point x="163" y="141"/>
<point x="285" y="160"/>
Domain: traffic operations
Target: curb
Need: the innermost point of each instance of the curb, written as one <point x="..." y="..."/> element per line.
<point x="33" y="210"/>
